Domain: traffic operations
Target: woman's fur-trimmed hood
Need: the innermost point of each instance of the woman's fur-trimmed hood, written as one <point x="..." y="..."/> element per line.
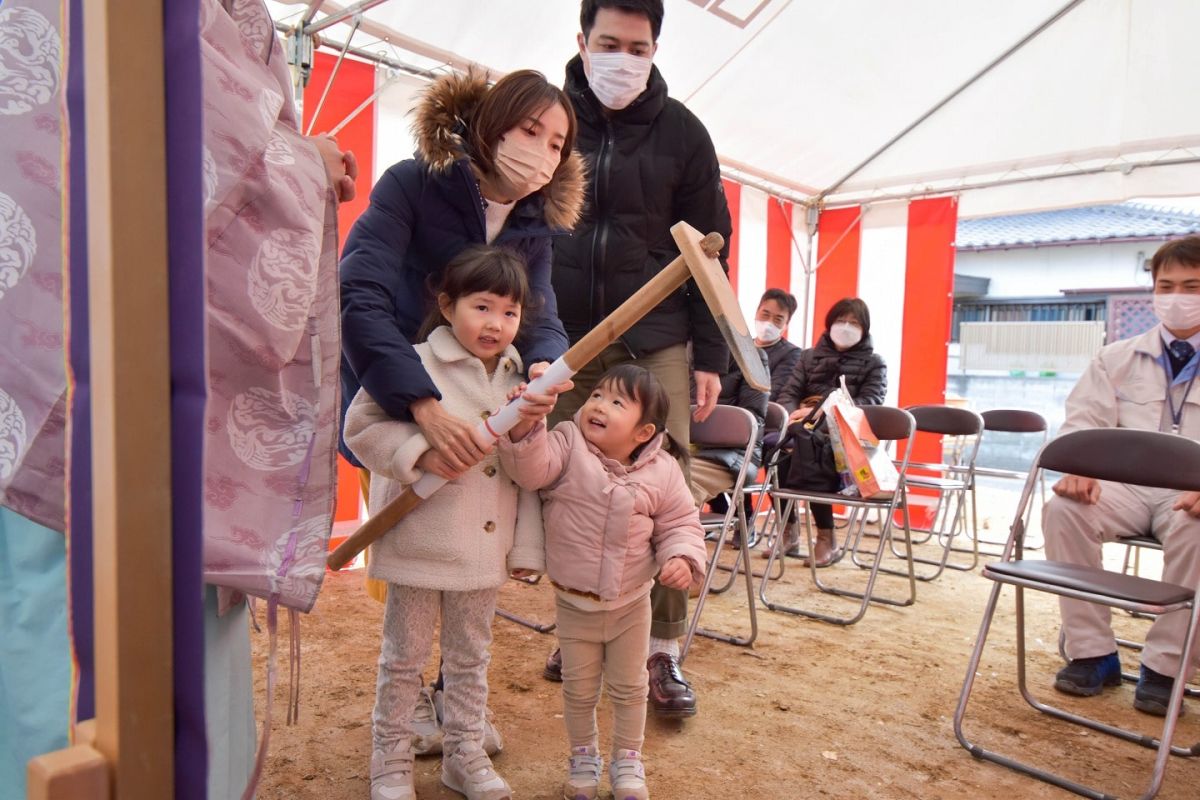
<point x="439" y="129"/>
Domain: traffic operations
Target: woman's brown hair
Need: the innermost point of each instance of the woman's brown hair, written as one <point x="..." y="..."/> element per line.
<point x="517" y="97"/>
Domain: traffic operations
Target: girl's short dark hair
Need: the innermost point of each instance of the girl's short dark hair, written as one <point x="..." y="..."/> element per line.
<point x="652" y="10"/>
<point x="515" y="98"/>
<point x="479" y="268"/>
<point x="786" y="300"/>
<point x="640" y="384"/>
<point x="855" y="308"/>
<point x="1185" y="251"/>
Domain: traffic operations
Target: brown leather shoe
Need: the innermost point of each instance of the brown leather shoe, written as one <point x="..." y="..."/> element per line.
<point x="670" y="693"/>
<point x="826" y="549"/>
<point x="553" y="669"/>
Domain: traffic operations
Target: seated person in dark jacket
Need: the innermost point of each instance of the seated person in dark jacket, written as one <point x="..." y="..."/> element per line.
<point x="843" y="349"/>
<point x="775" y="311"/>
<point x="714" y="470"/>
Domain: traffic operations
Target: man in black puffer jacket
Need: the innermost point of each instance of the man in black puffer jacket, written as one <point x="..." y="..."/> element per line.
<point x="651" y="164"/>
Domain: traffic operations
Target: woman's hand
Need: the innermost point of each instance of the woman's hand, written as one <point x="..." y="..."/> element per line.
<point x="452" y="438"/>
<point x="340" y="167"/>
<point x="676" y="573"/>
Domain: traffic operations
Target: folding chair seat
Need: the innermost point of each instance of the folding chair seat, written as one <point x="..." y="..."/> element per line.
<point x="1122" y="455"/>
<point x="951" y="483"/>
<point x="890" y="425"/>
<point x="726" y="427"/>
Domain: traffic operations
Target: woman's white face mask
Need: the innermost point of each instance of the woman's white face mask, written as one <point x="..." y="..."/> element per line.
<point x="845" y="334"/>
<point x="524" y="164"/>
<point x="616" y="78"/>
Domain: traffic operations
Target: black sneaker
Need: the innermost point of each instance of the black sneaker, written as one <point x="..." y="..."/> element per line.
<point x="1153" y="692"/>
<point x="1086" y="677"/>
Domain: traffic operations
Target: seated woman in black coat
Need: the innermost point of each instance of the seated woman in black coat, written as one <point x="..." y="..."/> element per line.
<point x="844" y="349"/>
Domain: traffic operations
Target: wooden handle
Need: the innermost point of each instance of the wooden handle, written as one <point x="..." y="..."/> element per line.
<point x="373" y="529"/>
<point x="653" y="292"/>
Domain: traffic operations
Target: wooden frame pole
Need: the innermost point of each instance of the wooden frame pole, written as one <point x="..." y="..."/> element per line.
<point x="130" y="368"/>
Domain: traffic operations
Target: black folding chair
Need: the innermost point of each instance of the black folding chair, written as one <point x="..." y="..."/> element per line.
<point x="1123" y="455"/>
<point x="726" y="427"/>
<point x="951" y="484"/>
<point x="889" y="425"/>
<point x="1015" y="421"/>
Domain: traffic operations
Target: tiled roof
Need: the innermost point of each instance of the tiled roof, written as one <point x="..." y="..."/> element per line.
<point x="1094" y="223"/>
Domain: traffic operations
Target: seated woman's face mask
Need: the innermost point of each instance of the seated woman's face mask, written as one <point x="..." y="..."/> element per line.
<point x="845" y="334"/>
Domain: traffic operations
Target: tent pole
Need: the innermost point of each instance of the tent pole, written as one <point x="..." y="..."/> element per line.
<point x="330" y="20"/>
<point x="1125" y="167"/>
<point x="961" y="88"/>
<point x="332" y="76"/>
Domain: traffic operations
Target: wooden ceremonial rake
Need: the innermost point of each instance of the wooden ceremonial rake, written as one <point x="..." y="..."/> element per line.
<point x="698" y="261"/>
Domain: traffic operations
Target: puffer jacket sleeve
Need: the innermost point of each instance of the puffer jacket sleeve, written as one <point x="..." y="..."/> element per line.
<point x="700" y="201"/>
<point x="371" y="272"/>
<point x="677" y="531"/>
<point x="529" y="541"/>
<point x="539" y="459"/>
<point x="385" y="446"/>
<point x="873" y="389"/>
<point x="796" y="388"/>
<point x="545" y="340"/>
<point x="783" y="372"/>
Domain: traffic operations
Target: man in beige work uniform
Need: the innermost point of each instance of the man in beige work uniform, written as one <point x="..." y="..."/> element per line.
<point x="1147" y="383"/>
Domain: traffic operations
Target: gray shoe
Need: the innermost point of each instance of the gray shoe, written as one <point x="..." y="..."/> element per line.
<point x="493" y="743"/>
<point x="470" y="773"/>
<point x="391" y="774"/>
<point x="426" y="724"/>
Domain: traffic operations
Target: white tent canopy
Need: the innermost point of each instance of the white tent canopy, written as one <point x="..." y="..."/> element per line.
<point x="805" y="98"/>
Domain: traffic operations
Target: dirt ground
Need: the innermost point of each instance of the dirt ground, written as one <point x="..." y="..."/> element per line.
<point x="811" y="710"/>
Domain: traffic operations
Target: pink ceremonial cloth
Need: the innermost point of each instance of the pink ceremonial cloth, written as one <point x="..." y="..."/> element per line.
<point x="33" y="376"/>
<point x="272" y="337"/>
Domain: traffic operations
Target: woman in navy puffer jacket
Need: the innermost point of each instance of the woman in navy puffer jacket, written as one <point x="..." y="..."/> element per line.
<point x="492" y="165"/>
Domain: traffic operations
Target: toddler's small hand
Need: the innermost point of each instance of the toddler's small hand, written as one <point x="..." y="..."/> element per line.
<point x="432" y="461"/>
<point x="676" y="574"/>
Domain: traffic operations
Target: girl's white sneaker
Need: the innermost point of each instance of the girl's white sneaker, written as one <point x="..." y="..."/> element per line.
<point x="583" y="779"/>
<point x="391" y="773"/>
<point x="628" y="776"/>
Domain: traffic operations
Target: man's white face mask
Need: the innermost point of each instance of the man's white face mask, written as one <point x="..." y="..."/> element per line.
<point x="616" y="78"/>
<point x="1178" y="311"/>
<point x="767" y="331"/>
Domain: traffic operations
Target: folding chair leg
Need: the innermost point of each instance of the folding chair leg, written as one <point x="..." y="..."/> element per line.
<point x="1162" y="744"/>
<point x="540" y="627"/>
<point x="694" y="626"/>
<point x="867" y="596"/>
<point x="736" y="567"/>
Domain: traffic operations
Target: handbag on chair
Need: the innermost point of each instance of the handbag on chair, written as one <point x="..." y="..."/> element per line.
<point x="805" y="456"/>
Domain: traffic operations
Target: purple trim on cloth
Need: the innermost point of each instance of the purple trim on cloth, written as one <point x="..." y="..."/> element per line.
<point x="185" y="252"/>
<point x="79" y="485"/>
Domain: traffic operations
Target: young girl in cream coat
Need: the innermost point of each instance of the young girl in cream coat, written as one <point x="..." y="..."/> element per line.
<point x="453" y="552"/>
